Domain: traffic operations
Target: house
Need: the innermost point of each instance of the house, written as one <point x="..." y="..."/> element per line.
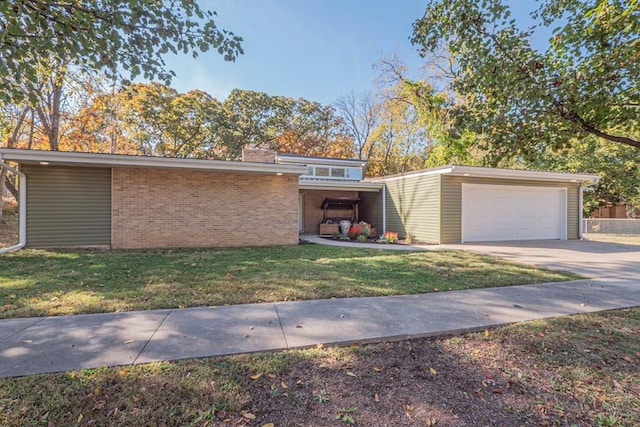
<point x="123" y="202"/>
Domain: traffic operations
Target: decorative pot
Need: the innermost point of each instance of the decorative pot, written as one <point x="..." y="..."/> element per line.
<point x="345" y="225"/>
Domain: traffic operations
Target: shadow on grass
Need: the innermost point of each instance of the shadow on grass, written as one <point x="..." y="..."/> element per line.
<point x="43" y="283"/>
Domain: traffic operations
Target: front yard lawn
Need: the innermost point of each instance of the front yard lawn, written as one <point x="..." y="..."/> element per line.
<point x="45" y="283"/>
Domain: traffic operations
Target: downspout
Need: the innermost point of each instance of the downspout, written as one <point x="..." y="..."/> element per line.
<point x="580" y="216"/>
<point x="22" y="206"/>
<point x="384" y="209"/>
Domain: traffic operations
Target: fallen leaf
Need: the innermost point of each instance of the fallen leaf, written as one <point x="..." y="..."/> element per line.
<point x="497" y="391"/>
<point x="129" y="341"/>
<point x="484" y="383"/>
<point x="431" y="422"/>
<point x="351" y="374"/>
<point x="486" y="332"/>
<point x="268" y="425"/>
<point x="433" y="371"/>
<point x="628" y="359"/>
<point x="27" y="341"/>
<point x="410" y="408"/>
<point x="272" y="376"/>
<point x="319" y="345"/>
<point x="255" y="377"/>
<point x="248" y="415"/>
<point x="376" y="398"/>
<point x="378" y="369"/>
<point x="283" y="385"/>
<point x="80" y="417"/>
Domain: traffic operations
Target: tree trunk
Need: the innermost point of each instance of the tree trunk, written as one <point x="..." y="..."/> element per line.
<point x="3" y="174"/>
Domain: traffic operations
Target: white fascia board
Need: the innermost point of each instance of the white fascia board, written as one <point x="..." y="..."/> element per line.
<point x="110" y="160"/>
<point x="475" y="171"/>
<point x="302" y="160"/>
<point x="335" y="185"/>
<point x="522" y="174"/>
<point x="434" y="171"/>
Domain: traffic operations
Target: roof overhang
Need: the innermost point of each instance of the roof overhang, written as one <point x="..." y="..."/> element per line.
<point x="62" y="158"/>
<point x="304" y="160"/>
<point x="340" y="185"/>
<point x="481" y="172"/>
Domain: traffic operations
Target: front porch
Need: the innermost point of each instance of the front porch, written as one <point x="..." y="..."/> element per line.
<point x="368" y="206"/>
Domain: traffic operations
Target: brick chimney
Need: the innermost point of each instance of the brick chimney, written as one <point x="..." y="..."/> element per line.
<point x="250" y="153"/>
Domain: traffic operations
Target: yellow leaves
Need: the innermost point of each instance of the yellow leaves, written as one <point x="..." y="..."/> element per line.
<point x="256" y="377"/>
<point x="248" y="415"/>
<point x="486" y="332"/>
<point x="433" y="371"/>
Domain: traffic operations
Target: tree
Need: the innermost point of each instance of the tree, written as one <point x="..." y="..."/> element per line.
<point x="617" y="165"/>
<point x="519" y="101"/>
<point x="160" y="121"/>
<point x="296" y="126"/>
<point x="105" y="35"/>
<point x="360" y="115"/>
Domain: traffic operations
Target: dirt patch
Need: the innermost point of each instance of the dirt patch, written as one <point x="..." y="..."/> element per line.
<point x="572" y="371"/>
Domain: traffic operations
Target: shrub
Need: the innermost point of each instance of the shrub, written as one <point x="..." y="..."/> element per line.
<point x="410" y="238"/>
<point x="391" y="237"/>
<point x="361" y="238"/>
<point x="354" y="231"/>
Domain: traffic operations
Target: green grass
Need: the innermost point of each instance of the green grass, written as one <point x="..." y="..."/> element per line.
<point x="577" y="370"/>
<point x="44" y="283"/>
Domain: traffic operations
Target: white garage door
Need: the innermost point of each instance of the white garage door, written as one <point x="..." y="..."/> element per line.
<point x="500" y="212"/>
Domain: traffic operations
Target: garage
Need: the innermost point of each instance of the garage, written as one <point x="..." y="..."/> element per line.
<point x="510" y="212"/>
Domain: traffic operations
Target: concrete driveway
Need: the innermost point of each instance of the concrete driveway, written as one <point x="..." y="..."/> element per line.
<point x="590" y="259"/>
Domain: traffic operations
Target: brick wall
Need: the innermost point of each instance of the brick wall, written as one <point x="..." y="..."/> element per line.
<point x="158" y="208"/>
<point x="312" y="212"/>
<point x="258" y="155"/>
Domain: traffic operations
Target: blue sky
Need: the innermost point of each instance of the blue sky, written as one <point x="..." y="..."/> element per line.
<point x="318" y="50"/>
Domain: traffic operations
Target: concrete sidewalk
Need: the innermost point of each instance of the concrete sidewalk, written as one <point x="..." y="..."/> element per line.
<point x="39" y="345"/>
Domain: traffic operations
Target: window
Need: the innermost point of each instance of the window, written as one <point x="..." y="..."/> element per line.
<point x="322" y="171"/>
<point x="337" y="173"/>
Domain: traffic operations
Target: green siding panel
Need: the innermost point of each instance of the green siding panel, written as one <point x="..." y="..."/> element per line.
<point x="451" y="225"/>
<point x="413" y="205"/>
<point x="68" y="206"/>
<point x="370" y="209"/>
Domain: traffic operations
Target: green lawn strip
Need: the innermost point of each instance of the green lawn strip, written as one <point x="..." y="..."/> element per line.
<point x="45" y="283"/>
<point x="578" y="370"/>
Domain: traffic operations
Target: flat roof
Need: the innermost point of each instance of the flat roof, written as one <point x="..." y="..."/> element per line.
<point x="294" y="158"/>
<point x="483" y="172"/>
<point x="309" y="184"/>
<point x="66" y="158"/>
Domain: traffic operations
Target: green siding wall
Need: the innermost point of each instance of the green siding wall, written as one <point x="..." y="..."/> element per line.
<point x="68" y="206"/>
<point x="413" y="205"/>
<point x="451" y="225"/>
<point x="370" y="209"/>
